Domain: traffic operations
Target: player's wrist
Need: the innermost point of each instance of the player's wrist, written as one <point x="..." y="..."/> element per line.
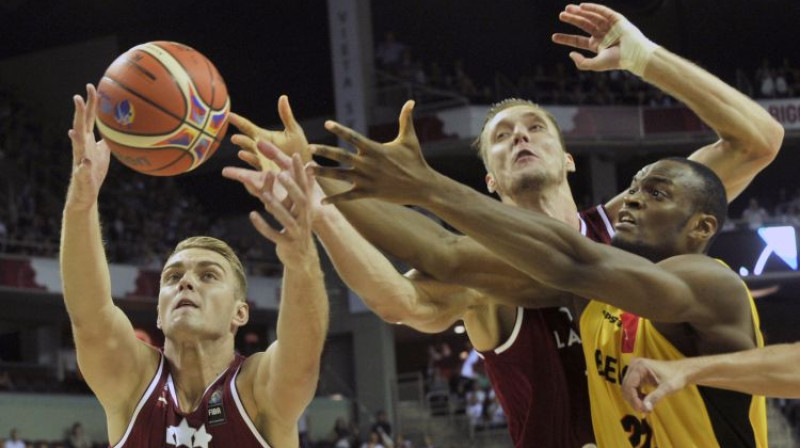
<point x="636" y="50"/>
<point x="639" y="57"/>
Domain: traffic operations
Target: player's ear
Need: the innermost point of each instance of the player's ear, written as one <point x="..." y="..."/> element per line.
<point x="491" y="184"/>
<point x="704" y="227"/>
<point x="570" y="162"/>
<point x="242" y="315"/>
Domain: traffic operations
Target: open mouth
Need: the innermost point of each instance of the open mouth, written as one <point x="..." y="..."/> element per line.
<point x="522" y="154"/>
<point x="626" y="219"/>
<point x="185" y="303"/>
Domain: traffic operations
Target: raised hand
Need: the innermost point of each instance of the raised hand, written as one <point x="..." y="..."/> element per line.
<point x="257" y="181"/>
<point x="616" y="41"/>
<point x="648" y="381"/>
<point x="90" y="158"/>
<point x="292" y="140"/>
<point x="294" y="243"/>
<point x="395" y="171"/>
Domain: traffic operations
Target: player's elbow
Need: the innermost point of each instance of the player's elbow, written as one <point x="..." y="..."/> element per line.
<point x="768" y="142"/>
<point x="775" y="135"/>
<point x="389" y="309"/>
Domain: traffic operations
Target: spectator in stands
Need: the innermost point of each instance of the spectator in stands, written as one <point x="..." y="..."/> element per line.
<point x="494" y="411"/>
<point x="469" y="371"/>
<point x="474" y="410"/>
<point x="341" y="433"/>
<point x="382" y="426"/>
<point x="13" y="440"/>
<point x="374" y="441"/>
<point x="389" y="53"/>
<point x="754" y="215"/>
<point x="77" y="437"/>
<point x="402" y="442"/>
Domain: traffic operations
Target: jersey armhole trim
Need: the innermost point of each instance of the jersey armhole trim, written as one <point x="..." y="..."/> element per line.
<point x="514" y="333"/>
<point x="243" y="413"/>
<point x="604" y="215"/>
<point x="142" y="401"/>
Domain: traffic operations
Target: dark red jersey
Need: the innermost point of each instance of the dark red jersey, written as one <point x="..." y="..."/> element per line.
<point x="220" y="420"/>
<point x="539" y="373"/>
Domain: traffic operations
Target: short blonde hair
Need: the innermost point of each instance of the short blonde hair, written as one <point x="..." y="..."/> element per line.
<point x="480" y="143"/>
<point x="222" y="248"/>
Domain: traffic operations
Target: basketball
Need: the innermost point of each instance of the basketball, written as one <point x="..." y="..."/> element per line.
<point x="163" y="108"/>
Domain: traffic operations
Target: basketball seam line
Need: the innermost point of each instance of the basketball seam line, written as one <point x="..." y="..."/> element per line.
<point x="159" y="107"/>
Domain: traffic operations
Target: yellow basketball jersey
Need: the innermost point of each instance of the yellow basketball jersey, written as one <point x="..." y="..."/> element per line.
<point x="695" y="417"/>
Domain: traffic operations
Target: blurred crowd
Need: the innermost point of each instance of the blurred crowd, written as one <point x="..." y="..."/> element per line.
<point x="74" y="437"/>
<point x="457" y="384"/>
<point x="562" y="84"/>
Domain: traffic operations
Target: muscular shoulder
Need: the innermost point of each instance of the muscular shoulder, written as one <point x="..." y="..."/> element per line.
<point x="715" y="287"/>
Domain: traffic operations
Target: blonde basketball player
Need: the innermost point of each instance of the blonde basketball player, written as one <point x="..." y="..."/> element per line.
<point x="196" y="391"/>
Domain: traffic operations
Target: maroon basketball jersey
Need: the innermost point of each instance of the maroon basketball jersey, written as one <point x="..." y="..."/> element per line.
<point x="219" y="422"/>
<point x="539" y="373"/>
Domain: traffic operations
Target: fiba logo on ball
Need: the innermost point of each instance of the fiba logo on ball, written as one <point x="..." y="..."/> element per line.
<point x="124" y="113"/>
<point x="163" y="108"/>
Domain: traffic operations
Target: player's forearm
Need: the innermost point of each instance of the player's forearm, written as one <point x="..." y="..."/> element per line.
<point x="403" y="233"/>
<point x="363" y="268"/>
<point x="735" y="117"/>
<point x="303" y="318"/>
<point x="84" y="270"/>
<point x="535" y="244"/>
<point x="771" y="371"/>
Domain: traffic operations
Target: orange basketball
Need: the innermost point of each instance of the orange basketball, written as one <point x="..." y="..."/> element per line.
<point x="163" y="108"/>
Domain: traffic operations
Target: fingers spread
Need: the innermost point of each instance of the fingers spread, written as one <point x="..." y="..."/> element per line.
<point x="245" y="142"/>
<point x="286" y="114"/>
<point x="330" y="172"/>
<point x="581" y="22"/>
<point x="350" y="136"/>
<point x="603" y="11"/>
<point x="243" y="124"/>
<point x="348" y="195"/>
<point x="571" y="40"/>
<point x="407" y="130"/>
<point x="280" y="212"/>
<point x="264" y="229"/>
<point x="249" y="158"/>
<point x="296" y="194"/>
<point x="340" y="155"/>
<point x="274" y="154"/>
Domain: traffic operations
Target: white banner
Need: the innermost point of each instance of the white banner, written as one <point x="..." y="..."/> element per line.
<point x="786" y="111"/>
<point x="348" y="73"/>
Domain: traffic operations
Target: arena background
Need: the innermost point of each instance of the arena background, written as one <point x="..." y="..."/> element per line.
<point x="488" y="51"/>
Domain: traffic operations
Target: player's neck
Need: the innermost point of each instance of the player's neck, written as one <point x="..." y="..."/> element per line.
<point x="556" y="202"/>
<point x="194" y="365"/>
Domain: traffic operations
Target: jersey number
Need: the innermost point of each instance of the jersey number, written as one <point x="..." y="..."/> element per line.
<point x="637" y="430"/>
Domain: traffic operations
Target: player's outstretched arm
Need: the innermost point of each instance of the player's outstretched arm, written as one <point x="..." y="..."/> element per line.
<point x="749" y="138"/>
<point x="404" y="233"/>
<point x="770" y="371"/>
<point x="393" y="297"/>
<point x="285" y="377"/>
<point x="545" y="249"/>
<point x="115" y="364"/>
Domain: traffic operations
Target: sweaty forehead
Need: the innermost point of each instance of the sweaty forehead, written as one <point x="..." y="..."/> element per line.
<point x="197" y="256"/>
<point x="664" y="170"/>
<point x="515" y="113"/>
